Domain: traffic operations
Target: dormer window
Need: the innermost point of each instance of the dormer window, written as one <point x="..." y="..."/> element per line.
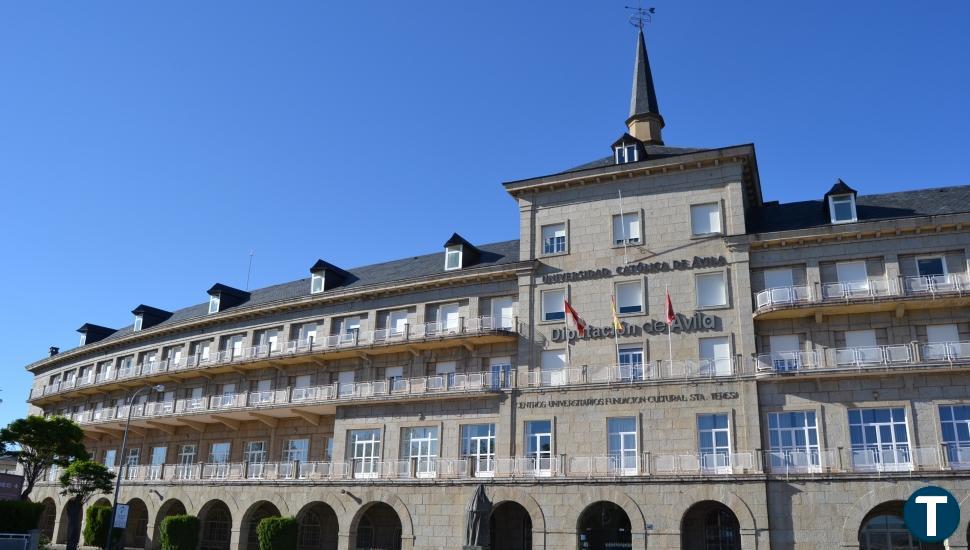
<point x="842" y="209"/>
<point x="316" y="283"/>
<point x="214" y="303"/>
<point x="138" y="322"/>
<point x="84" y="338"/>
<point x="626" y="153"/>
<point x="453" y="258"/>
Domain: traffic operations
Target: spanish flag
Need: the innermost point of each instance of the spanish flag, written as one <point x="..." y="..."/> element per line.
<point x="616" y="318"/>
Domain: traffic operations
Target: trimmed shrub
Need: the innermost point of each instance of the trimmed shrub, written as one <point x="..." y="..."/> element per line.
<point x="19" y="516"/>
<point x="180" y="532"/>
<point x="277" y="533"/>
<point x="97" y="519"/>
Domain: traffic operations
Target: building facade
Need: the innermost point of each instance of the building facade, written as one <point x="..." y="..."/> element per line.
<point x="812" y="374"/>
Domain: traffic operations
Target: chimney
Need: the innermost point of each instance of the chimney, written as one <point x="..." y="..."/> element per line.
<point x="54" y="350"/>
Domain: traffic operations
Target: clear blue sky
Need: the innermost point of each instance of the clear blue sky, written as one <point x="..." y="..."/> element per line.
<point x="146" y="147"/>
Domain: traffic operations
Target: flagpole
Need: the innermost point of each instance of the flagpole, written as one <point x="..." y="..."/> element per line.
<point x="670" y="344"/>
<point x="565" y="323"/>
<point x="616" y="333"/>
<point x="623" y="225"/>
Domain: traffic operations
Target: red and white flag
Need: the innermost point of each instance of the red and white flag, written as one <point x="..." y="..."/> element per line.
<point x="577" y="320"/>
<point x="669" y="310"/>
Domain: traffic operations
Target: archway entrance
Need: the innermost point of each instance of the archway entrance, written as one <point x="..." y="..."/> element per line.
<point x="318" y="528"/>
<point x="216" y="526"/>
<point x="136" y="532"/>
<point x="710" y="525"/>
<point x="604" y="525"/>
<point x="379" y="528"/>
<point x="48" y="519"/>
<point x="510" y="527"/>
<point x="883" y="527"/>
<point x="256" y="513"/>
<point x="171" y="507"/>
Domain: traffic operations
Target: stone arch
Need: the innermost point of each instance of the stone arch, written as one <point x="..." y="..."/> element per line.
<point x="716" y="493"/>
<point x="510" y="527"/>
<point x="864" y="504"/>
<point x="215" y="520"/>
<point x="498" y="495"/>
<point x="171" y="507"/>
<point x="725" y="522"/>
<point x="102" y="502"/>
<point x="136" y="533"/>
<point x="61" y="537"/>
<point x="603" y="524"/>
<point x="319" y="527"/>
<point x="48" y="519"/>
<point x="638" y="523"/>
<point x="396" y="504"/>
<point x="250" y="520"/>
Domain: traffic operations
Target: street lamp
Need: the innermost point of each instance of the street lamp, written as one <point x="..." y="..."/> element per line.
<point x="124" y="443"/>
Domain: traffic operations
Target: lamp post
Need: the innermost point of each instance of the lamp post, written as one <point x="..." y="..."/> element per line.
<point x="124" y="443"/>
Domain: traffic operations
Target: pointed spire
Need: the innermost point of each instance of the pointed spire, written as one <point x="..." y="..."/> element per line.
<point x="645" y="121"/>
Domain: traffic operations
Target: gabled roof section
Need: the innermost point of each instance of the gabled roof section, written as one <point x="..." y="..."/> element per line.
<point x="840" y="188"/>
<point x="149" y="310"/>
<point x="470" y="254"/>
<point x="625" y="139"/>
<point x="225" y="290"/>
<point x="886" y="206"/>
<point x="333" y="276"/>
<point x="93" y="333"/>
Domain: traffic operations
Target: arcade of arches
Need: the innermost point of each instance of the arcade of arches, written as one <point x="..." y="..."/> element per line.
<point x="883" y="527"/>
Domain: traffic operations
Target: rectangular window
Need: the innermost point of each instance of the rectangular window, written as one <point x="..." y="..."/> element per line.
<point x="296" y="450"/>
<point x="109" y="458"/>
<point x="134" y="456"/>
<point x="420" y="445"/>
<point x="500" y="372"/>
<point x="705" y="219"/>
<point x="554" y="238"/>
<point x="159" y="454"/>
<point x="200" y="350"/>
<point x="349" y="328"/>
<point x="631" y="363"/>
<point x="785" y="354"/>
<point x="552" y="368"/>
<point x="629" y="297"/>
<point x="452" y="258"/>
<point x="478" y="446"/>
<point x="364" y="448"/>
<point x="446" y="370"/>
<point x="715" y="356"/>
<point x="538" y="446"/>
<point x="626" y="228"/>
<point x="345" y="383"/>
<point x="842" y="208"/>
<point x="711" y="289"/>
<point x="269" y="340"/>
<point x="793" y="437"/>
<point x="255" y="452"/>
<point x="397" y="322"/>
<point x="137" y="325"/>
<point x="503" y="313"/>
<point x="779" y="278"/>
<point x="214" y="303"/>
<point x="622" y="445"/>
<point x="316" y="283"/>
<point x="626" y="153"/>
<point x="942" y="342"/>
<point x="187" y="457"/>
<point x="931" y="266"/>
<point x="852" y="272"/>
<point x="714" y="442"/>
<point x="553" y="307"/>
<point x="955" y="424"/>
<point x="219" y="453"/>
<point x="880" y="440"/>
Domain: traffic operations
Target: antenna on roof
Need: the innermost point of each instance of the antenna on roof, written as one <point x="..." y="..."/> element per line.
<point x="640" y="15"/>
<point x="249" y="271"/>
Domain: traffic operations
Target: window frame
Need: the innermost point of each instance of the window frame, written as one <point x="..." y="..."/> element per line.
<point x="626" y="241"/>
<point x="449" y="251"/>
<point x="697" y="293"/>
<point x="565" y="239"/>
<point x="137" y="324"/>
<point x="562" y="305"/>
<point x="538" y="454"/>
<point x="314" y="279"/>
<point x="720" y="219"/>
<point x="619" y="307"/>
<point x="780" y="454"/>
<point x="470" y="450"/>
<point x="721" y="465"/>
<point x="214" y="303"/>
<point x="941" y="257"/>
<point x="625" y="149"/>
<point x="852" y="205"/>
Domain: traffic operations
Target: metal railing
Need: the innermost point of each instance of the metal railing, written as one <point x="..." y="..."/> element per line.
<point x="895" y="355"/>
<point x="423" y="331"/>
<point x="656" y="370"/>
<point x="783" y="296"/>
<point x="952" y="283"/>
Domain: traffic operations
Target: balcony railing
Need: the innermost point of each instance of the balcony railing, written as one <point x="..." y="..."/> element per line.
<point x="896" y="355"/>
<point x="867" y="289"/>
<point x="409" y="333"/>
<point x="458" y="383"/>
<point x="657" y="370"/>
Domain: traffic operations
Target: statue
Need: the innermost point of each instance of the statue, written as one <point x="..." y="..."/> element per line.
<point x="476" y="530"/>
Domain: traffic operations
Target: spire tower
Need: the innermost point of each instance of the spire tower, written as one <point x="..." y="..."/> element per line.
<point x="645" y="122"/>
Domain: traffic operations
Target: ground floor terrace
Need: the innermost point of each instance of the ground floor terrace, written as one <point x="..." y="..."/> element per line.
<point x="737" y="513"/>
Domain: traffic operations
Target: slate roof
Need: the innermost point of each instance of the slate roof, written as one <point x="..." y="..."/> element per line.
<point x="643" y="99"/>
<point x="653" y="152"/>
<point x="500" y="253"/>
<point x="904" y="204"/>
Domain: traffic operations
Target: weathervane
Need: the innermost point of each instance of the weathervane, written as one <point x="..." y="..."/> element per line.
<point x="640" y="15"/>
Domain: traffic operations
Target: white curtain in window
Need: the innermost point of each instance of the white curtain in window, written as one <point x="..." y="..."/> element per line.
<point x="705" y="218"/>
<point x="711" y="290"/>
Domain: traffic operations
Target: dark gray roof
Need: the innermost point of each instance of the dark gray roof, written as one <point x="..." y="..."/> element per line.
<point x="904" y="204"/>
<point x="653" y="152"/>
<point x="643" y="99"/>
<point x="494" y="254"/>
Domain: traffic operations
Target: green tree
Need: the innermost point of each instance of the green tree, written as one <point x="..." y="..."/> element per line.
<point x="39" y="443"/>
<point x="180" y="533"/>
<point x="277" y="533"/>
<point x="97" y="525"/>
<point x="80" y="481"/>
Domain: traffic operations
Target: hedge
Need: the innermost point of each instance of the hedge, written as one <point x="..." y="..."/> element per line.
<point x="19" y="516"/>
<point x="277" y="533"/>
<point x="97" y="519"/>
<point x="180" y="532"/>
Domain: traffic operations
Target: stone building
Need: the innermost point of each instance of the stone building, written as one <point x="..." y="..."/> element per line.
<point x="810" y="379"/>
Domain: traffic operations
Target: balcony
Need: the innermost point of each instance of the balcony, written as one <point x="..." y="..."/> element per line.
<point x="872" y="294"/>
<point x="943" y="354"/>
<point x="662" y="370"/>
<point x="231" y="408"/>
<point x="478" y="330"/>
